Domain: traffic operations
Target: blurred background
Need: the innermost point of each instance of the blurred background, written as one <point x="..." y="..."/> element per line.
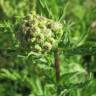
<point x="23" y="74"/>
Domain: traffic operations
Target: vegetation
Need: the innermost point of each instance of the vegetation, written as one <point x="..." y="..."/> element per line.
<point x="47" y="48"/>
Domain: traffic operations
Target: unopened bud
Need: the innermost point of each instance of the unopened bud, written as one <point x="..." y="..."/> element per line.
<point x="56" y="26"/>
<point x="38" y="48"/>
<point x="47" y="46"/>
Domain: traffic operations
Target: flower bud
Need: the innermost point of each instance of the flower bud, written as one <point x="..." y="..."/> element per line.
<point x="39" y="37"/>
<point x="33" y="40"/>
<point x="38" y="48"/>
<point x="56" y="26"/>
<point x="39" y="33"/>
<point x="47" y="46"/>
<point x="47" y="32"/>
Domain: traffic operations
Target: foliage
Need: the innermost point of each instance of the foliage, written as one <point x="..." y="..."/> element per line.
<point x="24" y="72"/>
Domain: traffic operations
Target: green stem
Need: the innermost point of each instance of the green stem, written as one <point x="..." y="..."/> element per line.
<point x="32" y="5"/>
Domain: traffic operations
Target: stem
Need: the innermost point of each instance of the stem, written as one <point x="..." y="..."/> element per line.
<point x="57" y="69"/>
<point x="32" y="5"/>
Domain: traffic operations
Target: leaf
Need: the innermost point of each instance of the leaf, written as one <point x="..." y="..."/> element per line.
<point x="4" y="73"/>
<point x="81" y="50"/>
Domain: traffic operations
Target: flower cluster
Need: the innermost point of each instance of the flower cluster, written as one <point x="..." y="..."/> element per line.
<point x="38" y="33"/>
